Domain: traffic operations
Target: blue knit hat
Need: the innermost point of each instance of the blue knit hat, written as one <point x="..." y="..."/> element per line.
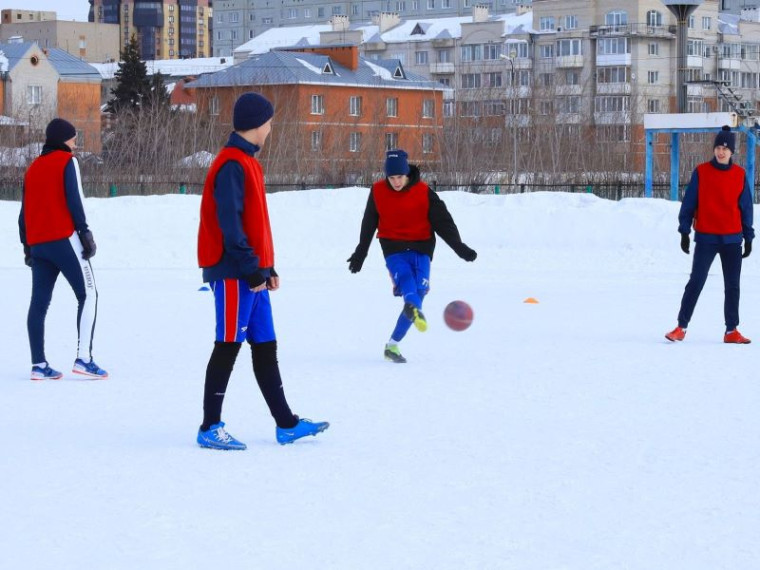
<point x="251" y="111"/>
<point x="726" y="139"/>
<point x="59" y="131"/>
<point x="396" y="163"/>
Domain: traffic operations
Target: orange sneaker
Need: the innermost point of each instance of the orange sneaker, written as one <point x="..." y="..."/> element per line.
<point x="735" y="337"/>
<point x="676" y="334"/>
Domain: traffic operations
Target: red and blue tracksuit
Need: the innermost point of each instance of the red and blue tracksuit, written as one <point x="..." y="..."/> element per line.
<point x="52" y="215"/>
<point x="235" y="248"/>
<point x="718" y="203"/>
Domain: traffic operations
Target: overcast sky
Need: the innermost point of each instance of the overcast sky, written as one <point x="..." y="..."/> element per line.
<point x="66" y="9"/>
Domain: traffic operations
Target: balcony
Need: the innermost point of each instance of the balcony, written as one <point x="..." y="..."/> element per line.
<point x="568" y="61"/>
<point x="442" y="67"/>
<point x="641" y="30"/>
<point x="733" y="63"/>
<point x="613" y="88"/>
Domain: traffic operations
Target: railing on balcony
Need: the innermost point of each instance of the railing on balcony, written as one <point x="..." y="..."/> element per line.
<point x="633" y="30"/>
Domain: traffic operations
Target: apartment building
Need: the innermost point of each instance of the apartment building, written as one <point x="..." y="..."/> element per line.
<point x="90" y="41"/>
<point x="166" y="29"/>
<point x="238" y="21"/>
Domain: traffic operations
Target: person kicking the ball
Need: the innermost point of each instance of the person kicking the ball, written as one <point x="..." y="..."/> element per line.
<point x="406" y="214"/>
<point x="236" y="253"/>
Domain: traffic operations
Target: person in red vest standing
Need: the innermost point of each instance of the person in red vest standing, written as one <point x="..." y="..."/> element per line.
<point x="236" y="253"/>
<point x="406" y="213"/>
<point x="53" y="229"/>
<point x="718" y="203"/>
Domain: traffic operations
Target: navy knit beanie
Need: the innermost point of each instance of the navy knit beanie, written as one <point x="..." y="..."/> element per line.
<point x="396" y="163"/>
<point x="726" y="139"/>
<point x="59" y="131"/>
<point x="251" y="111"/>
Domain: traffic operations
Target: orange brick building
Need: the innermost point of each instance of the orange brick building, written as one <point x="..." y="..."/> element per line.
<point x="335" y="112"/>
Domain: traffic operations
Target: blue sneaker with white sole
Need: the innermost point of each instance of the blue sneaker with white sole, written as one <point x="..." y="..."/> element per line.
<point x="216" y="437"/>
<point x="303" y="428"/>
<point x="45" y="373"/>
<point x="89" y="369"/>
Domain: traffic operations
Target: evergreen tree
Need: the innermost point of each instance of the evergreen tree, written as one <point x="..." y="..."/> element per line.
<point x="133" y="86"/>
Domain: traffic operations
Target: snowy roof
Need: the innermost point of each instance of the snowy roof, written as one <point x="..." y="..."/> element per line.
<point x="67" y="65"/>
<point x="728" y="24"/>
<point x="406" y="31"/>
<point x="179" y="68"/>
<point x="291" y="67"/>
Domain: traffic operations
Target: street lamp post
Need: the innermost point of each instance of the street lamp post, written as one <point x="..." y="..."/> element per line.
<point x="511" y="59"/>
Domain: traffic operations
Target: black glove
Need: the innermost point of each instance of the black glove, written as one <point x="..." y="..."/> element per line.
<point x="747" y="248"/>
<point x="27" y="255"/>
<point x="88" y="244"/>
<point x="466" y="253"/>
<point x="255" y="279"/>
<point x="272" y="275"/>
<point x="355" y="262"/>
<point x="685" y="243"/>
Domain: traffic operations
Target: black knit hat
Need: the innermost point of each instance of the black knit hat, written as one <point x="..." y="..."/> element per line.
<point x="251" y="111"/>
<point x="59" y="131"/>
<point x="726" y="139"/>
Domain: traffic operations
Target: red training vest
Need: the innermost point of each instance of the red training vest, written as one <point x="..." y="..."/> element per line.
<point x="718" y="199"/>
<point x="255" y="216"/>
<point x="403" y="215"/>
<point x="46" y="214"/>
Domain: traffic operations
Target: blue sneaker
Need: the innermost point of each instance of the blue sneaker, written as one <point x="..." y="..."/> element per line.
<point x="45" y="373"/>
<point x="303" y="428"/>
<point x="216" y="437"/>
<point x="89" y="369"/>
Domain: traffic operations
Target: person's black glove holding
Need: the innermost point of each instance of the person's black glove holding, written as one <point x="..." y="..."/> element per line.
<point x="356" y="261"/>
<point x="467" y="253"/>
<point x="88" y="244"/>
<point x="685" y="243"/>
<point x="747" y="248"/>
<point x="255" y="280"/>
<point x="27" y="255"/>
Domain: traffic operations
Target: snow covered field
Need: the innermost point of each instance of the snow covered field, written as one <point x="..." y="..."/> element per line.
<point x="567" y="434"/>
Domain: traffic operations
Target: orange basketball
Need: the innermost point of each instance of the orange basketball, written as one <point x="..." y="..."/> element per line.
<point x="458" y="315"/>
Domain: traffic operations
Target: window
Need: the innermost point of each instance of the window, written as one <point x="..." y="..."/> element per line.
<point x="494" y="108"/>
<point x="546" y="79"/>
<point x="613" y="75"/>
<point x="428" y="108"/>
<point x="213" y="105"/>
<point x="654" y="19"/>
<point x="306" y="13"/>
<point x="653" y="105"/>
<point x="616" y="18"/>
<point x="267" y="20"/>
<point x="291" y="13"/>
<point x="320" y="12"/>
<point x="34" y="94"/>
<point x="391" y="141"/>
<point x="546" y="23"/>
<point x="572" y="78"/>
<point x="706" y="22"/>
<point x="472" y="53"/>
<point x="234" y="17"/>
<point x="570" y="104"/>
<point x="421" y="57"/>
<point x="470" y="108"/>
<point x="570" y="22"/>
<point x="446" y="4"/>
<point x="491" y="51"/>
<point x="355" y="106"/>
<point x="611" y="104"/>
<point x="492" y="79"/>
<point x="431" y="4"/>
<point x="391" y="106"/>
<point x="444" y="56"/>
<point x="613" y="46"/>
<point x="653" y="77"/>
<point x="692" y="22"/>
<point x="355" y="142"/>
<point x="470" y="80"/>
<point x="233" y="34"/>
<point x="427" y="143"/>
<point x="546" y="107"/>
<point x="317" y="105"/>
<point x="546" y="51"/>
<point x="448" y="108"/>
<point x="337" y="10"/>
<point x="355" y="10"/>
<point x="316" y="140"/>
<point x="654" y="48"/>
<point x="695" y="47"/>
<point x="569" y="47"/>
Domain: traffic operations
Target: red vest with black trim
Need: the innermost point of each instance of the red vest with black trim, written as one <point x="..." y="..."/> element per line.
<point x="403" y="215"/>
<point x="46" y="214"/>
<point x="718" y="200"/>
<point x="255" y="215"/>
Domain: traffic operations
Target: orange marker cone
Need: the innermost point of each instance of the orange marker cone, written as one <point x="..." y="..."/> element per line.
<point x="531" y="300"/>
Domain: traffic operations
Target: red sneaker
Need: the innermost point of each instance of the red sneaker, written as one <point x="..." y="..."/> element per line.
<point x="676" y="334"/>
<point x="735" y="337"/>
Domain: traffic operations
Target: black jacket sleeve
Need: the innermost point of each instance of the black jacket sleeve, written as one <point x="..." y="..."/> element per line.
<point x="369" y="226"/>
<point x="442" y="222"/>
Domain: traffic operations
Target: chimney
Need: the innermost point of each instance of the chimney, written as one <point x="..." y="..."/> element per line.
<point x="339" y="23"/>
<point x="387" y="20"/>
<point x="347" y="56"/>
<point x="479" y="13"/>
